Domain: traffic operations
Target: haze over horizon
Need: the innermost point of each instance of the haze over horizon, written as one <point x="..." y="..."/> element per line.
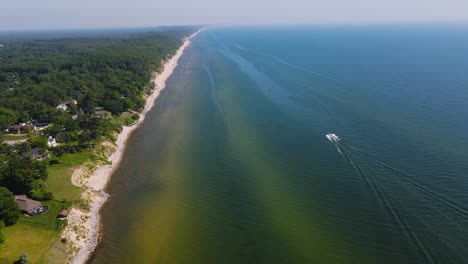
<point x="57" y="14"/>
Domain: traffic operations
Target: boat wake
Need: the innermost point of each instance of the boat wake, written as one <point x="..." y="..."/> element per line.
<point x="287" y="63"/>
<point x="405" y="200"/>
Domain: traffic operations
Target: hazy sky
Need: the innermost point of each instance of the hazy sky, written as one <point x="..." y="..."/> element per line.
<point x="57" y="14"/>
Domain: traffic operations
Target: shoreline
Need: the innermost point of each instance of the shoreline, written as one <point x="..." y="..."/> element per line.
<point x="89" y="223"/>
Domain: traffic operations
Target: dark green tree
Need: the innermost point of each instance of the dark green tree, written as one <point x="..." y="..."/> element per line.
<point x="9" y="210"/>
<point x="24" y="175"/>
<point x="7" y="117"/>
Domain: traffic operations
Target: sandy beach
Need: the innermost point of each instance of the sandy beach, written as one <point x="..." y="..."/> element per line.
<point x="82" y="232"/>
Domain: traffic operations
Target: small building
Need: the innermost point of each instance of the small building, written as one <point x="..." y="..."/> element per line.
<point x="62" y="107"/>
<point x="36" y="154"/>
<point x="65" y="106"/>
<point x="63" y="214"/>
<point x="14" y="129"/>
<point x="28" y="206"/>
<point x="71" y="103"/>
<point x="27" y="127"/>
<point x="51" y="142"/>
<point x="21" y="128"/>
<point x="100" y="112"/>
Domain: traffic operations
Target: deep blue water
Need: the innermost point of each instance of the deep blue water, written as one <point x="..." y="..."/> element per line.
<point x="232" y="165"/>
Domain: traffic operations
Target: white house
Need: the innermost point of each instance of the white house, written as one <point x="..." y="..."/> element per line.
<point x="62" y="107"/>
<point x="51" y="142"/>
<point x="67" y="105"/>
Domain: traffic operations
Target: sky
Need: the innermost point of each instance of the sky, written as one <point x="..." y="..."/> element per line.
<point x="63" y="14"/>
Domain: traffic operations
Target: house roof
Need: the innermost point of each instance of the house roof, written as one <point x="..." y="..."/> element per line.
<point x="35" y="152"/>
<point x="26" y="204"/>
<point x="63" y="212"/>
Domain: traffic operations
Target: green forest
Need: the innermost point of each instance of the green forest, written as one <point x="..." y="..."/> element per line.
<point x="72" y="89"/>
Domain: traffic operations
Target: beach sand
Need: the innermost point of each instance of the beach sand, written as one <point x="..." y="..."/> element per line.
<point x="82" y="232"/>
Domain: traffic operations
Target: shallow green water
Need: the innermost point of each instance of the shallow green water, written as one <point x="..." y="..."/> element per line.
<point x="232" y="165"/>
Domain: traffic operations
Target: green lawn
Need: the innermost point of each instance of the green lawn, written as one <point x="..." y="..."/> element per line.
<point x="13" y="137"/>
<point x="59" y="179"/>
<point x="33" y="235"/>
<point x="39" y="236"/>
<point x="123" y="117"/>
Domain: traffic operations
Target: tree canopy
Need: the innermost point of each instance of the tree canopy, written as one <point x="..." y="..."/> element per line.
<point x="113" y="71"/>
<point x="9" y="210"/>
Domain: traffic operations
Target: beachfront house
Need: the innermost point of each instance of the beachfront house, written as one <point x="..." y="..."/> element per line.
<point x="28" y="206"/>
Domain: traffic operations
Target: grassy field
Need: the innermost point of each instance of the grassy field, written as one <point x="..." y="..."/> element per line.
<point x="59" y="179"/>
<point x="33" y="235"/>
<point x="13" y="137"/>
<point x="125" y="118"/>
<point x="39" y="236"/>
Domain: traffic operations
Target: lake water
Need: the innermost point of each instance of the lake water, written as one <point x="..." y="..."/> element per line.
<point x="232" y="165"/>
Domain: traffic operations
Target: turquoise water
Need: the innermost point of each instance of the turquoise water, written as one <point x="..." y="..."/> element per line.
<point x="232" y="165"/>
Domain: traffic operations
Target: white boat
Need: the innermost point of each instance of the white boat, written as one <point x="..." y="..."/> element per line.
<point x="332" y="137"/>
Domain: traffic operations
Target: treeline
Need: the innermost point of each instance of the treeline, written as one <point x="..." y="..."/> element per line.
<point x="110" y="72"/>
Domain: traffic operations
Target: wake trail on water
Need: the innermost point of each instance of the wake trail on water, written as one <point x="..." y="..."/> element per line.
<point x="214" y="98"/>
<point x="406" y="201"/>
<point x="392" y="207"/>
<point x="297" y="68"/>
<point x="288" y="63"/>
<point x="407" y="178"/>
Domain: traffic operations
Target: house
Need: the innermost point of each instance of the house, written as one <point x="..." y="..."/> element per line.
<point x="36" y="154"/>
<point x="100" y="112"/>
<point x="63" y="214"/>
<point x="21" y="128"/>
<point x="71" y="103"/>
<point x="26" y="127"/>
<point x="62" y="107"/>
<point x="51" y="142"/>
<point x="65" y="106"/>
<point x="15" y="129"/>
<point x="28" y="206"/>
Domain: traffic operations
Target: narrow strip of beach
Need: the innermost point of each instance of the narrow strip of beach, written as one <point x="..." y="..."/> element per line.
<point x="83" y="228"/>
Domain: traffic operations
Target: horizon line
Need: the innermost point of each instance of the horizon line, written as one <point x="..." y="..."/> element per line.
<point x="342" y="23"/>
